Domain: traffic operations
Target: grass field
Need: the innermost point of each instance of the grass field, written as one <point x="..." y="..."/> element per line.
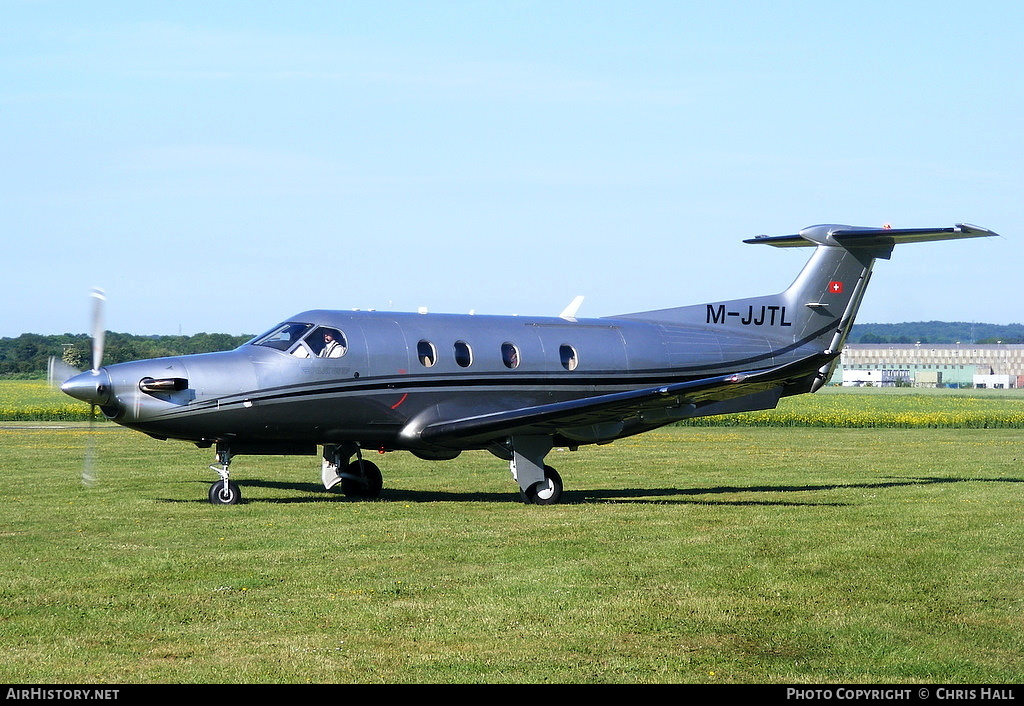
<point x="704" y="555"/>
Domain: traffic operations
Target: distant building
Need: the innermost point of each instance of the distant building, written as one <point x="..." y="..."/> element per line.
<point x="996" y="365"/>
<point x="876" y="378"/>
<point x="995" y="382"/>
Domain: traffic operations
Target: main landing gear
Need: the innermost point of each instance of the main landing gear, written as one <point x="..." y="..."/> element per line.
<point x="539" y="484"/>
<point x="547" y="492"/>
<point x="359" y="479"/>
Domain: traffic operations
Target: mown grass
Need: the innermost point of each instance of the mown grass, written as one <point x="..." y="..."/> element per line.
<point x="709" y="555"/>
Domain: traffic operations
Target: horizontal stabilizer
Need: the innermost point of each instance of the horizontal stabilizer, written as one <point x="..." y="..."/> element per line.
<point x="854" y="236"/>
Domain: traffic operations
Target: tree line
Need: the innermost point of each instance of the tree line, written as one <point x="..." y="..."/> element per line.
<point x="937" y="332"/>
<point x="28" y="355"/>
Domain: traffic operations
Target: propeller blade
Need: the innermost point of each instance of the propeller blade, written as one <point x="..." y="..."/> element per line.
<point x="89" y="462"/>
<point x="98" y="332"/>
<point x="57" y="372"/>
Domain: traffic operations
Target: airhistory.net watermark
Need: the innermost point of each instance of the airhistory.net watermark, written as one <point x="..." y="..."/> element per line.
<point x="47" y="694"/>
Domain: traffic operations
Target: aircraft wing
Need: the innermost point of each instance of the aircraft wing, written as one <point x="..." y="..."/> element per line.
<point x="688" y="397"/>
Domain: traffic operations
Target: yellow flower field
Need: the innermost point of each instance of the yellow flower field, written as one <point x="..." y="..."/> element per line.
<point x="894" y="408"/>
<point x="36" y="401"/>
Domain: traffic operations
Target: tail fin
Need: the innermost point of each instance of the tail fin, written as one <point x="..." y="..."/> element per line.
<point x="825" y="297"/>
<point x="815" y="314"/>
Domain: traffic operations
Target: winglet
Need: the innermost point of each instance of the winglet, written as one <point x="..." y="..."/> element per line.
<point x="569" y="312"/>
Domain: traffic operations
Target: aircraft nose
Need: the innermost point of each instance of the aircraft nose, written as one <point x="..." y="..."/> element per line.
<point x="92" y="386"/>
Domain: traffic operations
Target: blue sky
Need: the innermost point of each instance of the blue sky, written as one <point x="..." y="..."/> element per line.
<point x="219" y="166"/>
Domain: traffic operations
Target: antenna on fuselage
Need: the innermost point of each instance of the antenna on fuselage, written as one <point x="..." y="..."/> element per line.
<point x="569" y="312"/>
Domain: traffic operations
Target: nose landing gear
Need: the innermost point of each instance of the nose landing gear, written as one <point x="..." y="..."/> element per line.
<point x="224" y="491"/>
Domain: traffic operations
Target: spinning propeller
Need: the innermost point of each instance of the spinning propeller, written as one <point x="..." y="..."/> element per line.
<point x="92" y="386"/>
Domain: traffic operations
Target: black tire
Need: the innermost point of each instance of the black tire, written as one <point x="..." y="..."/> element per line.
<point x="221" y="496"/>
<point x="547" y="492"/>
<point x="371" y="484"/>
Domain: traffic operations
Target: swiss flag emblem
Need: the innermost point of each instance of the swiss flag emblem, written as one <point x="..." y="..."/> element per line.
<point x="835" y="287"/>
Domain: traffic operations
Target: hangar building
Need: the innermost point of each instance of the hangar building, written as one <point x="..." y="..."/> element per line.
<point x="996" y="365"/>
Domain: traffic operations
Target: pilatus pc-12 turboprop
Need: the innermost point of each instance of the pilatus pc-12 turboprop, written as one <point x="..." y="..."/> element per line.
<point x="438" y="384"/>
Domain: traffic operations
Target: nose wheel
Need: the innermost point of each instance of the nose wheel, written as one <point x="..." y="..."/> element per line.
<point x="224" y="491"/>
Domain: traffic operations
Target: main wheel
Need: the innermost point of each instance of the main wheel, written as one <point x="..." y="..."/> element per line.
<point x="219" y="495"/>
<point x="547" y="492"/>
<point x="366" y="483"/>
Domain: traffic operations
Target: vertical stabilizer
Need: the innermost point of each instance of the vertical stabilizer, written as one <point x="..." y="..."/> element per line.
<point x="826" y="296"/>
<point x="815" y="313"/>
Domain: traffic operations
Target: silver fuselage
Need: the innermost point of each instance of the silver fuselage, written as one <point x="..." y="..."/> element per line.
<point x="382" y="384"/>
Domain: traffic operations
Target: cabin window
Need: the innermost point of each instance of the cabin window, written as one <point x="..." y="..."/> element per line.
<point x="509" y="355"/>
<point x="427" y="354"/>
<point x="463" y="354"/>
<point x="568" y="355"/>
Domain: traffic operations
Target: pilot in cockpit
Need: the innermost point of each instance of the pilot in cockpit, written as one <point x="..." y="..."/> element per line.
<point x="333" y="345"/>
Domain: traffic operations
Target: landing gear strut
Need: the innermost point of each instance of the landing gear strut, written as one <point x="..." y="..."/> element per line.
<point x="224" y="491"/>
<point x="538" y="484"/>
<point x="359" y="478"/>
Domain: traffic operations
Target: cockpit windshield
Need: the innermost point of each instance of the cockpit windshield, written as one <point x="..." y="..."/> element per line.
<point x="284" y="336"/>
